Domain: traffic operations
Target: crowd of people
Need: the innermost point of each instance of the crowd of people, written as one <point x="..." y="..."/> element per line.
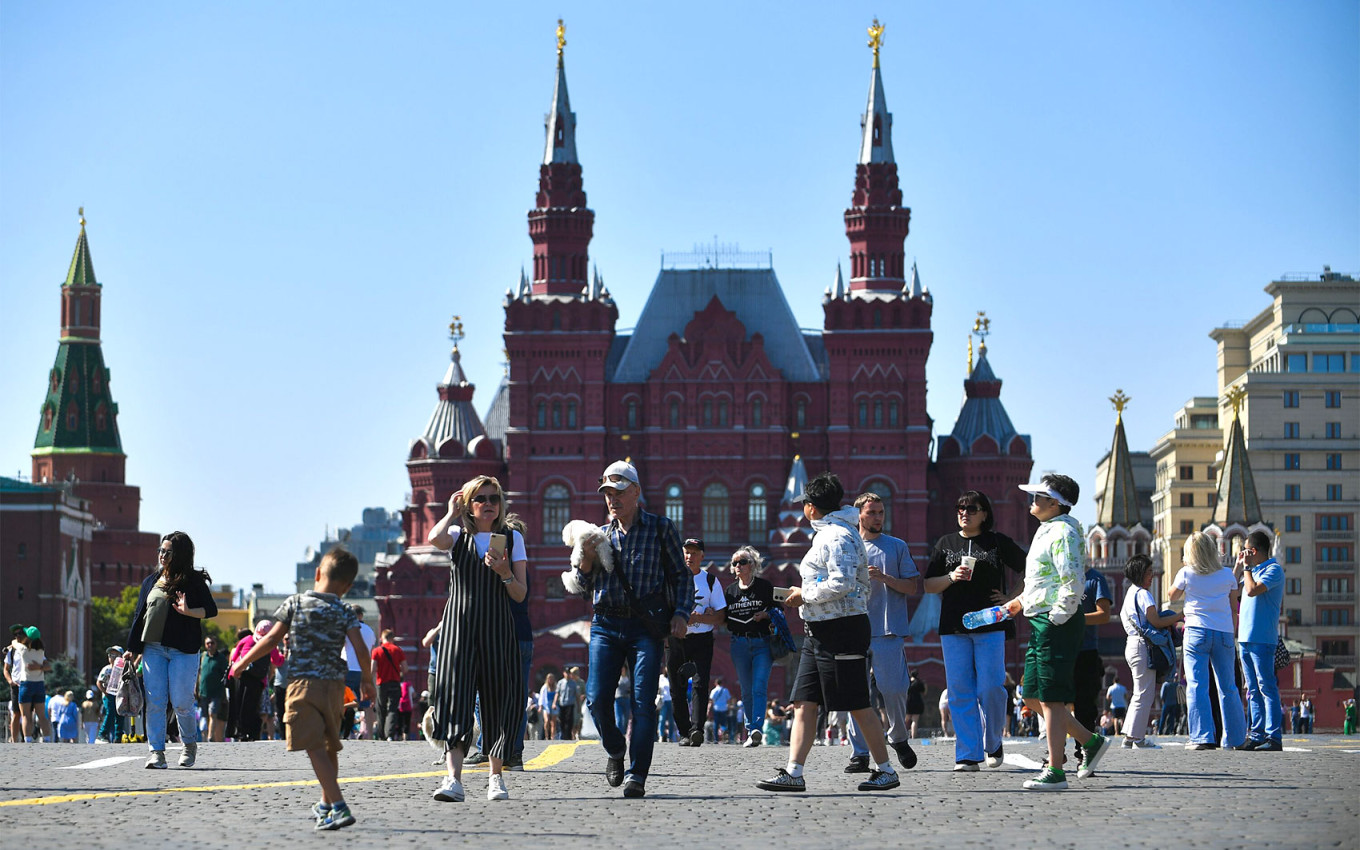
<point x="313" y="673"/>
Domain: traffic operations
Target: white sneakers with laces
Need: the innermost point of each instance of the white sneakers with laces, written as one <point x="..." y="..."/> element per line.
<point x="495" y="788"/>
<point x="450" y="792"/>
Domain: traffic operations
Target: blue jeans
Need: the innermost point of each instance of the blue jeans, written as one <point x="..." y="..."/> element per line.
<point x="1263" y="691"/>
<point x="975" y="674"/>
<point x="665" y="730"/>
<point x="111" y="726"/>
<point x="615" y="641"/>
<point x="751" y="656"/>
<point x="1209" y="652"/>
<point x="169" y="678"/>
<point x="623" y="712"/>
<point x="526" y="657"/>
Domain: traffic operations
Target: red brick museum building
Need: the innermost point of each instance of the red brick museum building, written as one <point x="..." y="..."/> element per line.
<point x="717" y="396"/>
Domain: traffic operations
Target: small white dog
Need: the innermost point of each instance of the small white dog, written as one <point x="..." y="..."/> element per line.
<point x="576" y="533"/>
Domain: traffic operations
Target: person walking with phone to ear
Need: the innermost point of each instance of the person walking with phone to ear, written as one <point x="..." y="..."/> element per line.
<point x="478" y="651"/>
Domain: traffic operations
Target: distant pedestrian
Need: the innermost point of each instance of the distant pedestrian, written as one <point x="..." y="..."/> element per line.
<point x="1171" y="705"/>
<point x="247" y="688"/>
<point x="568" y="696"/>
<point x="750" y="601"/>
<point x="389" y="667"/>
<point x="317" y="623"/>
<point x="30" y="669"/>
<point x="12" y="679"/>
<point x="1139" y="614"/>
<point x="1306" y="714"/>
<point x="112" y="724"/>
<point x="66" y="719"/>
<point x="547" y="704"/>
<point x="213" y="665"/>
<point x="89" y="717"/>
<point x="363" y="709"/>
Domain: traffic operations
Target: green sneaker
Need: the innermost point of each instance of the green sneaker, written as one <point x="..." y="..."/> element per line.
<point x="1092" y="752"/>
<point x="1047" y="780"/>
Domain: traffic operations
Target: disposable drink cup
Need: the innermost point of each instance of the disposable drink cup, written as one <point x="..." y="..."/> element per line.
<point x="966" y="565"/>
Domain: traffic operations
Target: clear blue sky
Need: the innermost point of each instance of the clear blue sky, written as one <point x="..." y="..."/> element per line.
<point x="287" y="202"/>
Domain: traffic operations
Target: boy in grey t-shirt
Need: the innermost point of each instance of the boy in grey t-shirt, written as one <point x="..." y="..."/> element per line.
<point x="317" y="624"/>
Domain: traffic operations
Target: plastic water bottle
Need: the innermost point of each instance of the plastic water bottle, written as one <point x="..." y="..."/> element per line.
<point x="115" y="678"/>
<point x="985" y="617"/>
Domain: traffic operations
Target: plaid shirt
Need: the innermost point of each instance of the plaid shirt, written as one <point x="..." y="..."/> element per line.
<point x="651" y="554"/>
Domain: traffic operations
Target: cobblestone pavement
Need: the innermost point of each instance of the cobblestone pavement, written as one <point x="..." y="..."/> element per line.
<point x="254" y="795"/>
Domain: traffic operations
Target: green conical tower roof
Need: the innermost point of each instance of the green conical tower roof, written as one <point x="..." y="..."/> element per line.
<point x="78" y="413"/>
<point x="81" y="272"/>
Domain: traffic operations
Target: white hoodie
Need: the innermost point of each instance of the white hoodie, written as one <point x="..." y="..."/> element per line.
<point x="835" y="571"/>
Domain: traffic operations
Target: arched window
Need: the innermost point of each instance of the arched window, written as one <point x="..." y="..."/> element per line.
<point x="878" y="413"/>
<point x="800" y="414"/>
<point x="542" y="414"/>
<point x="881" y="490"/>
<point x="878" y="317"/>
<point x="892" y="414"/>
<point x="675" y="414"/>
<point x="717" y="514"/>
<point x="571" y="414"/>
<point x="556" y="512"/>
<point x="557" y="320"/>
<point x="72" y="417"/>
<point x="675" y="507"/>
<point x="757" y="413"/>
<point x="755" y="513"/>
<point x="708" y="414"/>
<point x="557" y="414"/>
<point x="47" y="418"/>
<point x="722" y="414"/>
<point x="863" y="413"/>
<point x="101" y="421"/>
<point x="632" y="408"/>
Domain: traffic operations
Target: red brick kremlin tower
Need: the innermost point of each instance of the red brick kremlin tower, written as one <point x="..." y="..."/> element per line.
<point x="717" y="396"/>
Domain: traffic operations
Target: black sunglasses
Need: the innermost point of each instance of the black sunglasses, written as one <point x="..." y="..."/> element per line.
<point x="164" y="553"/>
<point x="481" y="500"/>
<point x="741" y="562"/>
<point x="968" y="509"/>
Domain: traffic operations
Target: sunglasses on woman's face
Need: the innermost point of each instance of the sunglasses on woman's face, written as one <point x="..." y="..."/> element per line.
<point x="481" y="500"/>
<point x="165" y="553"/>
<point x="741" y="562"/>
<point x="968" y="509"/>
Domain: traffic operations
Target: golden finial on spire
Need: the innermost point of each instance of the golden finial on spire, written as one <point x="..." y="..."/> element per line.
<point x="1120" y="401"/>
<point x="970" y="355"/>
<point x="982" y="326"/>
<point x="561" y="37"/>
<point x="82" y="217"/>
<point x="875" y="38"/>
<point x="1236" y="396"/>
<point x="456" y="330"/>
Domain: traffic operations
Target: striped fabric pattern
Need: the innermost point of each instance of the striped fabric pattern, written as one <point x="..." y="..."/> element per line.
<point x="478" y="654"/>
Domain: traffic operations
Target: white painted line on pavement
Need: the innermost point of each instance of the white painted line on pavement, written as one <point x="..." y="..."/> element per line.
<point x="1296" y="750"/>
<point x="108" y="762"/>
<point x="1022" y="761"/>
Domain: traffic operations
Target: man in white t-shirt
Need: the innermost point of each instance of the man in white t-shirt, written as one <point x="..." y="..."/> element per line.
<point x="691" y="657"/>
<point x="721" y="698"/>
<point x="353" y="676"/>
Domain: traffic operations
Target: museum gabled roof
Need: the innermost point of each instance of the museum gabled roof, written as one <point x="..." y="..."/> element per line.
<point x="753" y="294"/>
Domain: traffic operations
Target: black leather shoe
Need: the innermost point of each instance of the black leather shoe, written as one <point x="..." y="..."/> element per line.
<point x="613" y="772"/>
<point x="906" y="754"/>
<point x="858" y="764"/>
<point x="696" y="738"/>
<point x="1270" y="745"/>
<point x="634" y="789"/>
<point x="1249" y="745"/>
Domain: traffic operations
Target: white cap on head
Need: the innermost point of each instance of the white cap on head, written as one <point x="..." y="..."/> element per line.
<point x="619" y="469"/>
<point x="1045" y="490"/>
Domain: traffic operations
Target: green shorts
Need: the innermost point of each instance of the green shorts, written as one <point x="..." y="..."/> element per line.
<point x="1051" y="658"/>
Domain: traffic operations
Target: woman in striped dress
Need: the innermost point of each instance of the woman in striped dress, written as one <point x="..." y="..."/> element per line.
<point x="478" y="652"/>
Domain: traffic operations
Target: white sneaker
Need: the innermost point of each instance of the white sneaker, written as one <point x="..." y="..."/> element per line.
<point x="495" y="788"/>
<point x="450" y="792"/>
<point x="1146" y="744"/>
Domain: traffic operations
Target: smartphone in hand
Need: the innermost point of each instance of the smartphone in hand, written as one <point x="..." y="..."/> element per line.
<point x="498" y="544"/>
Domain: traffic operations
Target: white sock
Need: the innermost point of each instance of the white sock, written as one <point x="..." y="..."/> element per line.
<point x="794" y="769"/>
<point x="886" y="767"/>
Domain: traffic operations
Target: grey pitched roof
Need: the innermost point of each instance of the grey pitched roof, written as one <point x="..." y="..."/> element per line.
<point x="1237" y="499"/>
<point x="498" y="414"/>
<point x="753" y="294"/>
<point x="1119" y="502"/>
<point x="453" y="415"/>
<point x="877" y="107"/>
<point x="560" y="118"/>
<point x="982" y="412"/>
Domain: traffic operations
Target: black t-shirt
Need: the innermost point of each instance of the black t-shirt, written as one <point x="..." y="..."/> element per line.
<point x="995" y="552"/>
<point x="742" y="605"/>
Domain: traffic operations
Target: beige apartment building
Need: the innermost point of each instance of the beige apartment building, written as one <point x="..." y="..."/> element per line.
<point x="1185" y="460"/>
<point x="1298" y="361"/>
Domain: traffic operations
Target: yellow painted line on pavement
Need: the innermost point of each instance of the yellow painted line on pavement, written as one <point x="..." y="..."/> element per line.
<point x="553" y="754"/>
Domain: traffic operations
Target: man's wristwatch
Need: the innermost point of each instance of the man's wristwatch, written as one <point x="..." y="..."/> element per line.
<point x="508" y="580"/>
